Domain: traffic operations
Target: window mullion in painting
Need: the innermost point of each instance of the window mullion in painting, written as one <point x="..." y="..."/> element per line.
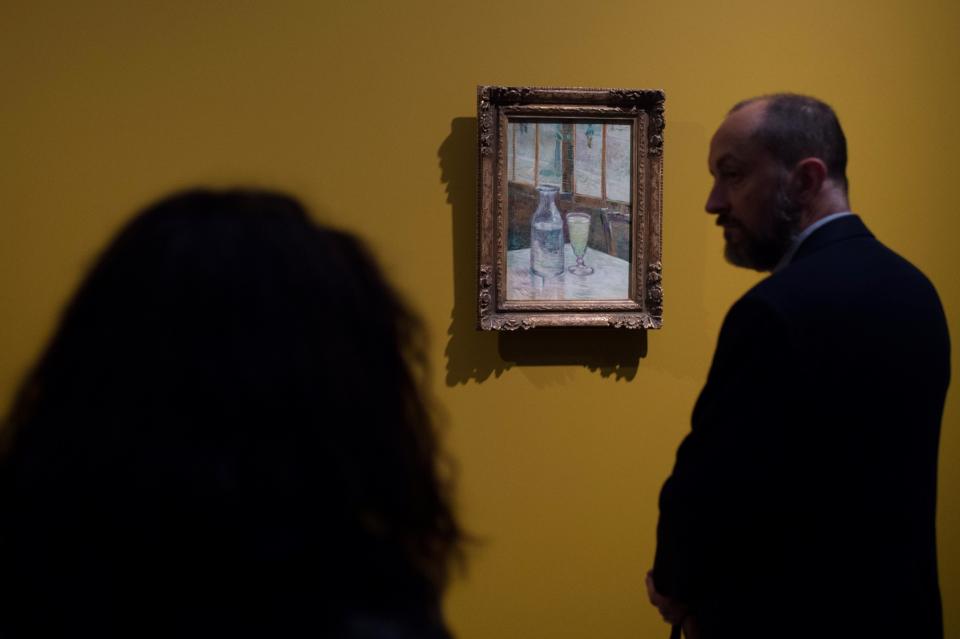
<point x="603" y="165"/>
<point x="573" y="156"/>
<point x="513" y="145"/>
<point x="566" y="157"/>
<point x="536" y="154"/>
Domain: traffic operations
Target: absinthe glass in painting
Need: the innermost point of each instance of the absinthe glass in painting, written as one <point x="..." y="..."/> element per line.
<point x="578" y="227"/>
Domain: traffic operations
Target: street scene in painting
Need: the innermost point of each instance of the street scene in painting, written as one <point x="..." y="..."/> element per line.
<point x="568" y="210"/>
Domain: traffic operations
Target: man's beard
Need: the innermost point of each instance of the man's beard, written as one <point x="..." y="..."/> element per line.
<point x="764" y="253"/>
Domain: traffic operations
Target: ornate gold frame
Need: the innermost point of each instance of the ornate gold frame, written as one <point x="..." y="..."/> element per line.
<point x="644" y="109"/>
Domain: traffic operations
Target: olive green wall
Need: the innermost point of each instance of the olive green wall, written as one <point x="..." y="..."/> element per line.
<point x="366" y="110"/>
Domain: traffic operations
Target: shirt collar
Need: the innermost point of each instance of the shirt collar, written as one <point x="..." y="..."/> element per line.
<point x="804" y="234"/>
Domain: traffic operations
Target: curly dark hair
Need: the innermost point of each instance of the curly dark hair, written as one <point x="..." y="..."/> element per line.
<point x="229" y="417"/>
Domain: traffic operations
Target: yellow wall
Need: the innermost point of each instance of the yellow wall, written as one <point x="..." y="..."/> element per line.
<point x="365" y="109"/>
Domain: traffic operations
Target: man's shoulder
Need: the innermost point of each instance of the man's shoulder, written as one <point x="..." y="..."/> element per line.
<point x="845" y="248"/>
<point x="850" y="272"/>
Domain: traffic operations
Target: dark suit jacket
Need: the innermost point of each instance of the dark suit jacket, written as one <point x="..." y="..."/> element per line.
<point x="802" y="501"/>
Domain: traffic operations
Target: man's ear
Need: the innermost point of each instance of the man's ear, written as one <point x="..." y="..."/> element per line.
<point x="808" y="177"/>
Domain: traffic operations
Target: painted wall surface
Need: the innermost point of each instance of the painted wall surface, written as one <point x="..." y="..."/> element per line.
<point x="367" y="110"/>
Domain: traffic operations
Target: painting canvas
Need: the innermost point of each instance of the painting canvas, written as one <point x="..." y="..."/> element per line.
<point x="569" y="210"/>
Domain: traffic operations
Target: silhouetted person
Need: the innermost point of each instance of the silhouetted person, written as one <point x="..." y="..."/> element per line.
<point x="802" y="503"/>
<point x="226" y="436"/>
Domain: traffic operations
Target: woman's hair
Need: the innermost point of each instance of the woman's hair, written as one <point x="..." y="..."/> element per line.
<point x="231" y="403"/>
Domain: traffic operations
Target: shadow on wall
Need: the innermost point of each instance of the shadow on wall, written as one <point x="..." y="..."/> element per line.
<point x="471" y="354"/>
<point x="474" y="355"/>
<point x="612" y="352"/>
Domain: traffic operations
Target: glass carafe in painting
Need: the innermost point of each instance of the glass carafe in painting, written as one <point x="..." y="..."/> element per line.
<point x="546" y="235"/>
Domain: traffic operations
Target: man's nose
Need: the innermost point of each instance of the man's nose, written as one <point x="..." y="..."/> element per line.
<point x="716" y="201"/>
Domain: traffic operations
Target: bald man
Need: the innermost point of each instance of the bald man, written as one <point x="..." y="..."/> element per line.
<point x="802" y="502"/>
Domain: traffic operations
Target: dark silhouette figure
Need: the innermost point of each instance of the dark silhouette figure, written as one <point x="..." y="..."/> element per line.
<point x="803" y="501"/>
<point x="226" y="436"/>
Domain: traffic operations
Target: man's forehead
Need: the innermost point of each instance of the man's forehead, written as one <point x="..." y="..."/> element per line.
<point x="734" y="136"/>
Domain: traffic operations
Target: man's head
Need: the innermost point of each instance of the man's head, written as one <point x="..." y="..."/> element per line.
<point x="779" y="164"/>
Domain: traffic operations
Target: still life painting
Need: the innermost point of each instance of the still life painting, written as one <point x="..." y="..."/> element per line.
<point x="570" y="207"/>
<point x="568" y="210"/>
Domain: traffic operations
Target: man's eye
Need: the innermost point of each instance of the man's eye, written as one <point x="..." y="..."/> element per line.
<point x="730" y="175"/>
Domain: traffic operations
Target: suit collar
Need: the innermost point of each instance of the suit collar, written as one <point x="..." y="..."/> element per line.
<point x="803" y="235"/>
<point x="843" y="228"/>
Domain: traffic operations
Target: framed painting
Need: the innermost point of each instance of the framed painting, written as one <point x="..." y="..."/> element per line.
<point x="570" y="207"/>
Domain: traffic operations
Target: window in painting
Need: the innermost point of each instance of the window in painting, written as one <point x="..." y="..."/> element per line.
<point x="522" y="160"/>
<point x="589" y="159"/>
<point x="617" y="162"/>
